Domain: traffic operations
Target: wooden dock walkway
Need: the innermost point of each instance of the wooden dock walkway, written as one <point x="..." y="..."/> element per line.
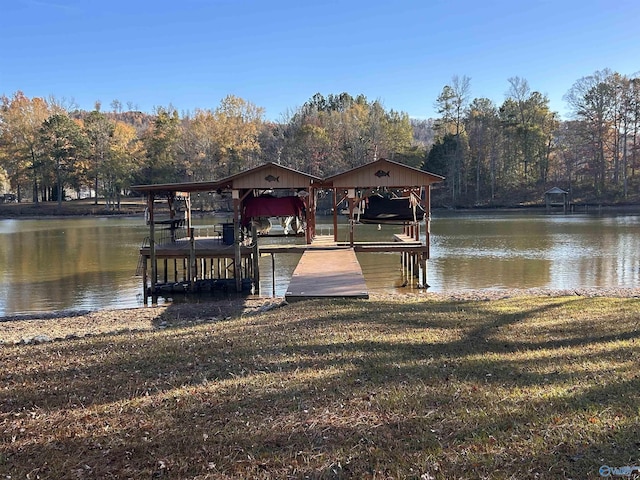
<point x="327" y="272"/>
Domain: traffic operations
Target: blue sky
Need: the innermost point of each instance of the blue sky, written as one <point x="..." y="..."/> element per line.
<point x="277" y="54"/>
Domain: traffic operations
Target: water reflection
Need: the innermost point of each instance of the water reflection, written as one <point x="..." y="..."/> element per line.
<point x="527" y="251"/>
<point x="89" y="263"/>
<point x="69" y="263"/>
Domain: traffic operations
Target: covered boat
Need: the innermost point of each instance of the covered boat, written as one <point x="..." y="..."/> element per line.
<point x="398" y="210"/>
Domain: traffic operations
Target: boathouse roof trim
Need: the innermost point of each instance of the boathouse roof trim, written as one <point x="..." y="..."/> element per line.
<point x="383" y="173"/>
<point x="267" y="175"/>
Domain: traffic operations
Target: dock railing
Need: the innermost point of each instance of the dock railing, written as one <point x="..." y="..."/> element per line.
<point x="324" y="230"/>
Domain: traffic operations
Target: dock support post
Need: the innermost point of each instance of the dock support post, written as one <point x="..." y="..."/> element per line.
<point x="412" y="260"/>
<point x="273" y="274"/>
<point x="335" y="215"/>
<point x="424" y="282"/>
<point x="237" y="270"/>
<point x="144" y="280"/>
<point x="256" y="258"/>
<point x="152" y="244"/>
<point x="238" y="265"/>
<point x="165" y="273"/>
<point x="193" y="266"/>
<point x="351" y="193"/>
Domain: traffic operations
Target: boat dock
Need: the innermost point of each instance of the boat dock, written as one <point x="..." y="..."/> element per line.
<point x="177" y="259"/>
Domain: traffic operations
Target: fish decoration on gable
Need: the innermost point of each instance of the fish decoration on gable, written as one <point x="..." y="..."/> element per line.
<point x="271" y="178"/>
<point x="382" y="173"/>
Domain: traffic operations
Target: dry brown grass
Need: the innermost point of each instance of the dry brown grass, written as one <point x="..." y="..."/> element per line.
<point x="425" y="388"/>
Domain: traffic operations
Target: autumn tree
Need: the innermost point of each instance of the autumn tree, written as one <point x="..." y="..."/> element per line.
<point x="160" y="142"/>
<point x="271" y="139"/>
<point x="236" y="128"/>
<point x="20" y="122"/>
<point x="4" y="181"/>
<point x="355" y="125"/>
<point x="399" y="142"/>
<point x="126" y="152"/>
<point x="333" y="133"/>
<point x="197" y="145"/>
<point x="311" y="142"/>
<point x="64" y="151"/>
<point x="214" y="144"/>
<point x="99" y="130"/>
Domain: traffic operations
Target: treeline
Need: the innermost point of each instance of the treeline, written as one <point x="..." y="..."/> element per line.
<point x="510" y="154"/>
<point x="490" y="155"/>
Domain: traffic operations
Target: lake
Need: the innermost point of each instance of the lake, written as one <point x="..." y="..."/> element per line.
<point x="90" y="263"/>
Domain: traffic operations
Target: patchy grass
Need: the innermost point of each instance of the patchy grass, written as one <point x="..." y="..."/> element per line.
<point x="526" y="387"/>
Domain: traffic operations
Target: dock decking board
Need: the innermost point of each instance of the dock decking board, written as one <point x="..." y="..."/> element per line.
<point x="327" y="273"/>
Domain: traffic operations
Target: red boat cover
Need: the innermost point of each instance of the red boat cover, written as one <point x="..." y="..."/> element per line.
<point x="272" y="207"/>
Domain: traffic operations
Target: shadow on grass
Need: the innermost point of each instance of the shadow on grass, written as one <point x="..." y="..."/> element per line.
<point x="346" y="389"/>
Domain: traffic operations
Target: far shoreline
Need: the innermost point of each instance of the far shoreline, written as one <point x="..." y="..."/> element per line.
<point x="136" y="208"/>
<point x="73" y="208"/>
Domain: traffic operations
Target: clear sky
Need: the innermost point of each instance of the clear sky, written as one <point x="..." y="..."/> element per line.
<point x="277" y="54"/>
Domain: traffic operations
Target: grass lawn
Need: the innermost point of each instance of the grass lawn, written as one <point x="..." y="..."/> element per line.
<point x="524" y="387"/>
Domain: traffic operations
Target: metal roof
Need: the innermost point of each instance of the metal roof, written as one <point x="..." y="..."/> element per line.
<point x="555" y="191"/>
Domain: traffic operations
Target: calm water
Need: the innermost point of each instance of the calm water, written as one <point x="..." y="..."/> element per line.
<point x="89" y="263"/>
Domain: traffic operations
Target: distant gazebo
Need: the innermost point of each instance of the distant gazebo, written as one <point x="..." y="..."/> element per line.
<point x="556" y="197"/>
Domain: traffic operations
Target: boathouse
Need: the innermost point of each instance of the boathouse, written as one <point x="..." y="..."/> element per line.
<point x="556" y="198"/>
<point x="174" y="258"/>
<point x="388" y="192"/>
<point x="384" y="179"/>
<point x="178" y="260"/>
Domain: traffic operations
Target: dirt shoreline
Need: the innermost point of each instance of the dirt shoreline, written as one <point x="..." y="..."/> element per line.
<point x="63" y="325"/>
